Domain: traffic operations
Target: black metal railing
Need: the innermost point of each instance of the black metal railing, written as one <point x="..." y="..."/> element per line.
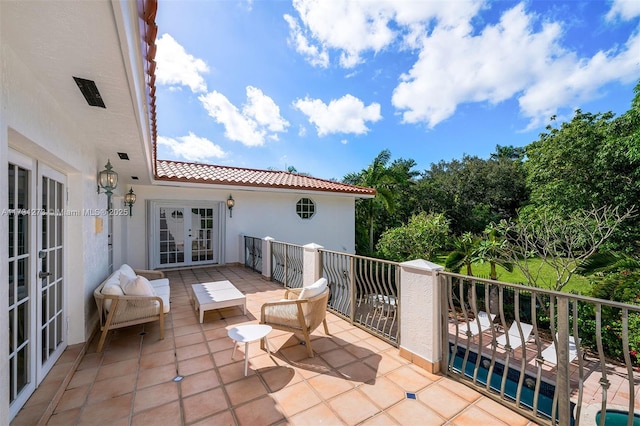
<point x="253" y="253"/>
<point x="286" y="264"/>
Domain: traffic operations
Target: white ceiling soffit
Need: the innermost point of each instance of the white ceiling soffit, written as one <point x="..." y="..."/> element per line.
<point x="97" y="40"/>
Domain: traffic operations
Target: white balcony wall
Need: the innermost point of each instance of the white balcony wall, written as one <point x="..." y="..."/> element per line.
<point x="256" y="213"/>
<point x="33" y="124"/>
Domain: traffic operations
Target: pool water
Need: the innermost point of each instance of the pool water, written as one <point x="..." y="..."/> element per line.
<point x="617" y="418"/>
<point x="547" y="390"/>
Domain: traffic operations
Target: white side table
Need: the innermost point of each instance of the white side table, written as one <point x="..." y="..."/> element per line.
<point x="246" y="334"/>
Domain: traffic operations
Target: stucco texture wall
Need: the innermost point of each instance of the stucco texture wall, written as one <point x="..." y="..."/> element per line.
<point x="256" y="213"/>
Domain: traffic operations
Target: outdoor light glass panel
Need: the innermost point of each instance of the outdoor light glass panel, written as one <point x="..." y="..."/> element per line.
<point x="305" y="208"/>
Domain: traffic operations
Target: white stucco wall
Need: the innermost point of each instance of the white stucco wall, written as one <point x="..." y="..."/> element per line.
<point x="256" y="213"/>
<point x="33" y="124"/>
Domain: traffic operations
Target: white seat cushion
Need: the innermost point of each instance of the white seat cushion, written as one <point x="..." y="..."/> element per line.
<point x="314" y="289"/>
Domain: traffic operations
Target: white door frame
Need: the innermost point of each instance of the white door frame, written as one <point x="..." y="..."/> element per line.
<point x="153" y="209"/>
<point x="37" y="370"/>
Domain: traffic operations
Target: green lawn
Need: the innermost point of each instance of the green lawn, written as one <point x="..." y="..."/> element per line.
<point x="578" y="284"/>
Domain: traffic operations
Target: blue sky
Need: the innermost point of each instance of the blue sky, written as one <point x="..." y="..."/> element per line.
<point x="324" y="86"/>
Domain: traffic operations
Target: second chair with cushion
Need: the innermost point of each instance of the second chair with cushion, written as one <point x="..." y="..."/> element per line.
<point x="301" y="311"/>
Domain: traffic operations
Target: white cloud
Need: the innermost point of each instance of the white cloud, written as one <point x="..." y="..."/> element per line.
<point x="355" y="27"/>
<point x="460" y="59"/>
<point x="258" y="120"/>
<point x="504" y="61"/>
<point x="318" y="57"/>
<point x="345" y="115"/>
<point x="176" y="67"/>
<point x="625" y="9"/>
<point x="192" y="147"/>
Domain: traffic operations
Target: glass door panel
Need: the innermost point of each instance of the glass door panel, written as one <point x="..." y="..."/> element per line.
<point x="172" y="236"/>
<point x="21" y="337"/>
<point x="50" y="271"/>
<point x="202" y="228"/>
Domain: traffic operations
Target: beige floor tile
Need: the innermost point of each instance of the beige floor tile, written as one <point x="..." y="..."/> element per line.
<point x="411" y="412"/>
<point x="279" y="377"/>
<point x="330" y="385"/>
<point x="263" y="411"/>
<point x="383" y="392"/>
<point x="116" y="369"/>
<point x="108" y="411"/>
<point x="154" y="396"/>
<point x="442" y="401"/>
<point x="195" y="365"/>
<point x="408" y="379"/>
<point x="111" y="388"/>
<point x="191" y="351"/>
<point x="64" y="418"/>
<point x="166" y="414"/>
<point x="475" y="416"/>
<point x="501" y="412"/>
<point x="199" y="382"/>
<point x="320" y="414"/>
<point x="73" y="398"/>
<point x="154" y="376"/>
<point x="296" y="398"/>
<point x="157" y="359"/>
<point x="203" y="405"/>
<point x="245" y="390"/>
<point x="353" y="407"/>
<point x="338" y="357"/>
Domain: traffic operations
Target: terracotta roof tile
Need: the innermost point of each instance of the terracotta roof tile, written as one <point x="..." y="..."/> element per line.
<point x="177" y="171"/>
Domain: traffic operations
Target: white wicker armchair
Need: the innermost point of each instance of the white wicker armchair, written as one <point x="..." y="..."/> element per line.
<point x="297" y="315"/>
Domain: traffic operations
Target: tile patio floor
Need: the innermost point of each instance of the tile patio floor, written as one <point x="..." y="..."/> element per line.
<point x="354" y="379"/>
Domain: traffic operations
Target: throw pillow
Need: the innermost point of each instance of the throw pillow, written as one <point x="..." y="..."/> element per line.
<point x="314" y="289"/>
<point x="139" y="286"/>
<point x="127" y="270"/>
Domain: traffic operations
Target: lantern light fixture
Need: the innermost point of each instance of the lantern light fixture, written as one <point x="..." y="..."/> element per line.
<point x="130" y="199"/>
<point x="108" y="181"/>
<point x="230" y="203"/>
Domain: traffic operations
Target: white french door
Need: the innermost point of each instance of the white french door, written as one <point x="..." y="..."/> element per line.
<point x="37" y="329"/>
<point x="184" y="235"/>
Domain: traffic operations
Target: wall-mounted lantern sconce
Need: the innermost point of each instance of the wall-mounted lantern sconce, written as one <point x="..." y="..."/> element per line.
<point x="230" y="203"/>
<point x="108" y="181"/>
<point x="129" y="199"/>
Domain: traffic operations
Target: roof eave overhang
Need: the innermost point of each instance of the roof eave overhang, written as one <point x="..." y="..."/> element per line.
<point x="259" y="188"/>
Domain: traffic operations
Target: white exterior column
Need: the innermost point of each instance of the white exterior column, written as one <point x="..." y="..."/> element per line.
<point x="312" y="266"/>
<point x="420" y="328"/>
<point x="266" y="256"/>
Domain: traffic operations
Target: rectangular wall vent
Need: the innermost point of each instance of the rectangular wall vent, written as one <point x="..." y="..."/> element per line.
<point x="123" y="155"/>
<point x="90" y="92"/>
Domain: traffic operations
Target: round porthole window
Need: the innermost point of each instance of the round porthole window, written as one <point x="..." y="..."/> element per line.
<point x="305" y="208"/>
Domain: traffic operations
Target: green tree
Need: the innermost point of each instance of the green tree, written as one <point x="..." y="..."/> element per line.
<point x="424" y="235"/>
<point x="492" y="248"/>
<point x="463" y="253"/>
<point x="385" y="180"/>
<point x="592" y="160"/>
<point x="560" y="240"/>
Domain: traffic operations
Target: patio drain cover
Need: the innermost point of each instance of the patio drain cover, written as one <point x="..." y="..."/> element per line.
<point x="178" y="379"/>
<point x="410" y="395"/>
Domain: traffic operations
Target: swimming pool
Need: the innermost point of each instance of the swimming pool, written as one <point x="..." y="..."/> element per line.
<point x="617" y="418"/>
<point x="545" y="397"/>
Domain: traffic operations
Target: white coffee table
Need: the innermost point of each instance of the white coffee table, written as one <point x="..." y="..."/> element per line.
<point x="246" y="334"/>
<point x="216" y="295"/>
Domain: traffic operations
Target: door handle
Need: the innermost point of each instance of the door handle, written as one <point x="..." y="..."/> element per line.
<point x="44" y="274"/>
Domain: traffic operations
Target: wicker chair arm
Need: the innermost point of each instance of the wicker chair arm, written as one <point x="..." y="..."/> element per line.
<point x="149" y="274"/>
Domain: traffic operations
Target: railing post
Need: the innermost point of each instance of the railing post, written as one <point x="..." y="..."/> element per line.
<point x="242" y="250"/>
<point x="266" y="257"/>
<point x="562" y="381"/>
<point x="312" y="264"/>
<point x="420" y="323"/>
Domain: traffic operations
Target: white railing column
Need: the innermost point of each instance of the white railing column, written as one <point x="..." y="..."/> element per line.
<point x="420" y="328"/>
<point x="312" y="264"/>
<point x="266" y="257"/>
